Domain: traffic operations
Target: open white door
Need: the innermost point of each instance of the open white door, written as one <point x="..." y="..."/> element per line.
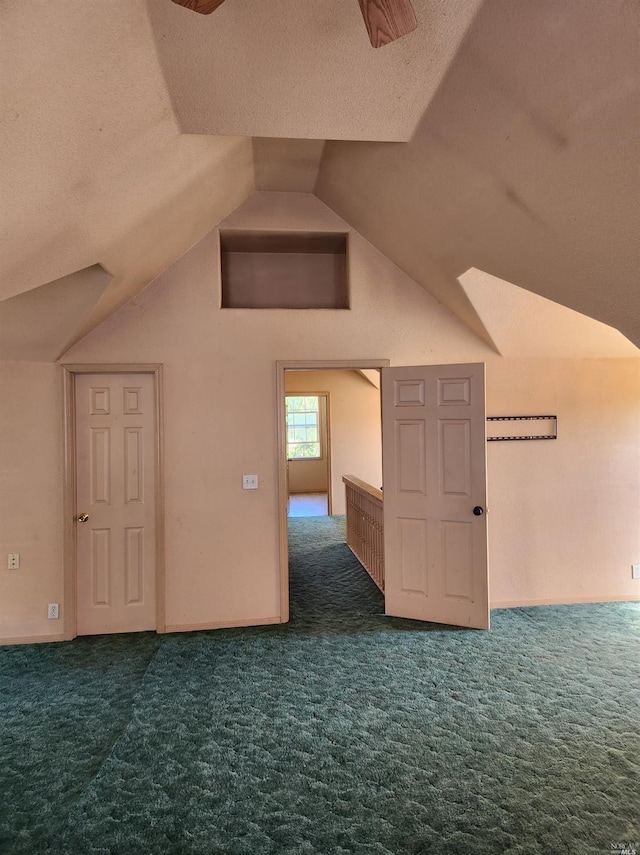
<point x="435" y="488"/>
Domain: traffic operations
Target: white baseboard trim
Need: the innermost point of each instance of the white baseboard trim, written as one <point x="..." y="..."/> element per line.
<point x="515" y="604"/>
<point x="31" y="639"/>
<point x="225" y="624"/>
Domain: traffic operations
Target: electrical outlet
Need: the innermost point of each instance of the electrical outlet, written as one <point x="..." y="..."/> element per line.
<point x="52" y="611"/>
<point x="14" y="561"/>
<point x="249" y="482"/>
<point x="635" y="571"/>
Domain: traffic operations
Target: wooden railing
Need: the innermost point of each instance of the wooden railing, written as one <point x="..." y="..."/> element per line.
<point x="365" y="532"/>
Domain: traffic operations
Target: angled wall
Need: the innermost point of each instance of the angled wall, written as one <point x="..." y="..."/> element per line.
<point x="525" y="324"/>
<point x="36" y="326"/>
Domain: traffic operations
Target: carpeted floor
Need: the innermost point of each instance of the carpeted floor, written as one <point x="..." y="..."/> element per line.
<point x="343" y="732"/>
<point x="327" y="583"/>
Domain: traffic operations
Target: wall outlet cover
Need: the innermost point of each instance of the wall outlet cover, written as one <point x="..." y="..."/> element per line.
<point x="635" y="571"/>
<point x="52" y="611"/>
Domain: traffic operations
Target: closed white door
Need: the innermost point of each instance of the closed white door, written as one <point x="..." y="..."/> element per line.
<point x="435" y="487"/>
<point x="116" y="487"/>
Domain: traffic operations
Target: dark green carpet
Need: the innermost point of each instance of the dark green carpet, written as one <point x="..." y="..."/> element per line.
<point x="327" y="584"/>
<point x="344" y="732"/>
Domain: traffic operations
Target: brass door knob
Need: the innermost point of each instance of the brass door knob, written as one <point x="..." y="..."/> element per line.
<point x="83" y="517"/>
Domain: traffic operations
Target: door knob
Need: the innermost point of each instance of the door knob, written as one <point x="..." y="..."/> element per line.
<point x="478" y="511"/>
<point x="85" y="517"/>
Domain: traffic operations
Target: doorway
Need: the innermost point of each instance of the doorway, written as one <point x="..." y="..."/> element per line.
<point x="434" y="509"/>
<point x="304" y="377"/>
<point x="114" y="557"/>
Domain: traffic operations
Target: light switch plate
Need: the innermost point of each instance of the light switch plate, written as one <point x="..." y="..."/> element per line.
<point x="249" y="482"/>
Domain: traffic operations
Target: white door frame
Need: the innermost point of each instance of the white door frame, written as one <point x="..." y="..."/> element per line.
<point x="281" y="367"/>
<point x="69" y="373"/>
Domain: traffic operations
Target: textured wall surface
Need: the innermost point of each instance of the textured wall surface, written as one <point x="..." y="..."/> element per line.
<point x="30" y="497"/>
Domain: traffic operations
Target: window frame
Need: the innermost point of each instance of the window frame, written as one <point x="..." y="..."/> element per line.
<point x="321" y="433"/>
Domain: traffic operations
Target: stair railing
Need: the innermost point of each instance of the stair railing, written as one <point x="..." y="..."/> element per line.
<point x="365" y="526"/>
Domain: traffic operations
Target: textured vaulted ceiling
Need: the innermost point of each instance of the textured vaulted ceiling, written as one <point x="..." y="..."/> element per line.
<point x="526" y="164"/>
<point x="303" y="69"/>
<point x="126" y="135"/>
<point x="93" y="166"/>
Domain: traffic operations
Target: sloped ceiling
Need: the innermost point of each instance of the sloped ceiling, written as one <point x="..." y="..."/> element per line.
<point x="525" y="165"/>
<point x="285" y="68"/>
<point x="522" y="123"/>
<point x="93" y="164"/>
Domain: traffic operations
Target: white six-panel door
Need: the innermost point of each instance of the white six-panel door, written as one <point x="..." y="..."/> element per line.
<point x="434" y="475"/>
<point x="116" y="482"/>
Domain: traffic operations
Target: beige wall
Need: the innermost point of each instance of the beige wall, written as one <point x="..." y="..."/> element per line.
<point x="564" y="522"/>
<point x="30" y="497"/>
<point x="356" y="441"/>
<point x="564" y="515"/>
<point x="308" y="476"/>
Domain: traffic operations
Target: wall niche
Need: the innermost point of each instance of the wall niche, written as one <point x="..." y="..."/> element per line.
<point x="284" y="270"/>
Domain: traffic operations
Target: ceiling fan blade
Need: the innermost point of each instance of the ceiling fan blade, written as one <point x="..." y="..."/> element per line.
<point x="387" y="20"/>
<point x="205" y="7"/>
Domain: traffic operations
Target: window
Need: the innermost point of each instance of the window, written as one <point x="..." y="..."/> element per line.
<point x="303" y="427"/>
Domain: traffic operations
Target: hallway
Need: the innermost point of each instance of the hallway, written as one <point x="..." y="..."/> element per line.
<point x="325" y="579"/>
